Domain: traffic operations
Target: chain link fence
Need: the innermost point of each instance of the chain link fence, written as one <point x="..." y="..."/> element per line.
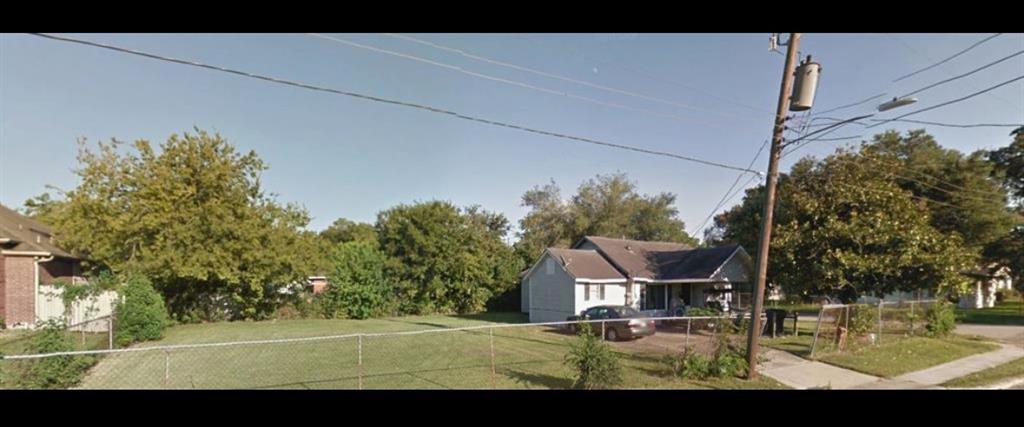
<point x="846" y="327"/>
<point x="494" y="356"/>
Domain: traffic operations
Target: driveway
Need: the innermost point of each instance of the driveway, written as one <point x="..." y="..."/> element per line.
<point x="1009" y="334"/>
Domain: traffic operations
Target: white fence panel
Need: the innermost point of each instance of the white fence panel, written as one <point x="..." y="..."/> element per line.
<point x="51" y="306"/>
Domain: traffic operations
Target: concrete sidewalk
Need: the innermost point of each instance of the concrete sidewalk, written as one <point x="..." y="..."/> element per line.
<point x="947" y="371"/>
<point x="801" y="374"/>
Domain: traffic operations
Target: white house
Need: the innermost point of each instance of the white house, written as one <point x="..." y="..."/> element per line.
<point x="653" y="277"/>
<point x="987" y="281"/>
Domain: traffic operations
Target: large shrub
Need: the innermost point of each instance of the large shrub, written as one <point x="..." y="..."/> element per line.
<point x="941" y="319"/>
<point x="56" y="372"/>
<point x="357" y="286"/>
<point x="593" y="361"/>
<point x="141" y="314"/>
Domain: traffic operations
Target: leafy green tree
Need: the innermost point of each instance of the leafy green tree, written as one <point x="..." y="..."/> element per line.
<point x="443" y="259"/>
<point x="192" y="217"/>
<point x="343" y="230"/>
<point x="358" y="288"/>
<point x="1008" y="250"/>
<point x="607" y="205"/>
<point x="844" y="226"/>
<point x="42" y="208"/>
<point x="961" y="191"/>
<point x="1009" y="165"/>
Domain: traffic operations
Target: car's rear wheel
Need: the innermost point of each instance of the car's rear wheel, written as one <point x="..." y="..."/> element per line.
<point x="611" y="335"/>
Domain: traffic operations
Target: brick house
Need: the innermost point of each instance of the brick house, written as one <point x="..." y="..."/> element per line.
<point x="28" y="258"/>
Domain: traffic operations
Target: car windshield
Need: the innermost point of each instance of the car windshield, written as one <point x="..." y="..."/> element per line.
<point x="627" y="312"/>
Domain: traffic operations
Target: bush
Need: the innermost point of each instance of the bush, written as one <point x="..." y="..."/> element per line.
<point x="141" y="314"/>
<point x="728" y="361"/>
<point x="689" y="364"/>
<point x="357" y="286"/>
<point x="57" y="372"/>
<point x="702" y="312"/>
<point x="941" y="319"/>
<point x="594" y="362"/>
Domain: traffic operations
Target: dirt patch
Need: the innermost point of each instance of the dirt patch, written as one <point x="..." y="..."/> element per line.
<point x="668" y="340"/>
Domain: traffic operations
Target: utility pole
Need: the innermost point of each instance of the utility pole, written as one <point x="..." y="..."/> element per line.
<point x="792" y="47"/>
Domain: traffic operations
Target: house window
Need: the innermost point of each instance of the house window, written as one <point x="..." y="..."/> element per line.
<point x="602" y="293"/>
<point x="586" y="292"/>
<point x="652" y="297"/>
<point x="549" y="266"/>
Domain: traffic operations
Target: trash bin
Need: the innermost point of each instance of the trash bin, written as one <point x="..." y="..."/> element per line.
<point x="775" y="324"/>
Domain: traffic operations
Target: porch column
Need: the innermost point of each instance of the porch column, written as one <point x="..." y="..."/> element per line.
<point x="629" y="291"/>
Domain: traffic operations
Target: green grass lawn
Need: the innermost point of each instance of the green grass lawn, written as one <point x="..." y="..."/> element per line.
<point x="1004" y="313"/>
<point x="997" y="374"/>
<point x="899" y="356"/>
<point x="525" y="358"/>
<point x="896" y="354"/>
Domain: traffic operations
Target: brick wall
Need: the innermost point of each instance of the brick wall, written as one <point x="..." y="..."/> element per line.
<point x="3" y="293"/>
<point x="19" y="289"/>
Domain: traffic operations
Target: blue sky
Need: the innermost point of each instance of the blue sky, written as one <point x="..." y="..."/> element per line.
<point x="345" y="157"/>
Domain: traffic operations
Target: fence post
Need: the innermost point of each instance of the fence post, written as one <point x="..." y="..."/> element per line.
<point x="911" y="318"/>
<point x="847" y="323"/>
<point x="879" y="321"/>
<point x="602" y="330"/>
<point x="360" y="362"/>
<point x="687" y="332"/>
<point x="167" y="368"/>
<point x="817" y="329"/>
<point x="494" y="381"/>
<point x="110" y="332"/>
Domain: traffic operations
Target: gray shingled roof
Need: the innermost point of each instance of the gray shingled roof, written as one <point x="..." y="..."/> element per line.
<point x="27" y="235"/>
<point x="585" y="264"/>
<point x="661" y="260"/>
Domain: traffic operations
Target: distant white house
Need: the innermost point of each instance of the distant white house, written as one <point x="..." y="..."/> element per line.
<point x="987" y="281"/>
<point x="653" y="277"/>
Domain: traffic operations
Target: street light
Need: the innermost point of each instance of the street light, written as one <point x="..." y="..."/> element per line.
<point x="896" y="102"/>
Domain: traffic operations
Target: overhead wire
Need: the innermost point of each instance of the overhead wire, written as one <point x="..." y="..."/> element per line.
<point x="393" y="102"/>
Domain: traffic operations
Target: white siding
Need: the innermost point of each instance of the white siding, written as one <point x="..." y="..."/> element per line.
<point x="735" y="270"/>
<point x="524" y="295"/>
<point x="550" y="295"/>
<point x="614" y="294"/>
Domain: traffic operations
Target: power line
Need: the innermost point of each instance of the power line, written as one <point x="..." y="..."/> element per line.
<point x="964" y="74"/>
<point x="952" y="125"/>
<point x="613" y="63"/>
<point x="551" y="75"/>
<point x="841" y="107"/>
<point x="830" y="128"/>
<point x="951" y="101"/>
<point x="511" y="82"/>
<point x="946" y="71"/>
<point x="726" y="194"/>
<point x="393" y="102"/>
<point x="969" y="48"/>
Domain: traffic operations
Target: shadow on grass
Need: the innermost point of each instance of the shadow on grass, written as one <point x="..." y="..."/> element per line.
<point x="528" y="378"/>
<point x="412" y="373"/>
<point x="505" y="317"/>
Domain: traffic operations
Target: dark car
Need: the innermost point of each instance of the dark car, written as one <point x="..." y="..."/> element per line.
<point x="622" y="322"/>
